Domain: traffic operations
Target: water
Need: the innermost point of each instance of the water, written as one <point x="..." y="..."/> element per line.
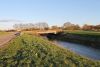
<point x="81" y="49"/>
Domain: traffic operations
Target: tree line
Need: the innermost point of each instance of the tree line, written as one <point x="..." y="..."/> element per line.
<point x="31" y="26"/>
<point x="65" y="26"/>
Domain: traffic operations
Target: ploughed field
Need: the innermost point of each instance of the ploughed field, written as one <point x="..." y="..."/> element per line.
<point x="31" y="51"/>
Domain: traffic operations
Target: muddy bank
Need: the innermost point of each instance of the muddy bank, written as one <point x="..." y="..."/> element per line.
<point x="84" y="39"/>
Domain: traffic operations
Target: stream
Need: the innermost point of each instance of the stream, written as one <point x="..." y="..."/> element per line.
<point x="82" y="50"/>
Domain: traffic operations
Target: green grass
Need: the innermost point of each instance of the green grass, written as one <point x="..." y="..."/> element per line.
<point x="83" y="32"/>
<point x="4" y="33"/>
<point x="32" y="51"/>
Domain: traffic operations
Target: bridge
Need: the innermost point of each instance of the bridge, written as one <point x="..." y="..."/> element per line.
<point x="46" y="32"/>
<point x="43" y="31"/>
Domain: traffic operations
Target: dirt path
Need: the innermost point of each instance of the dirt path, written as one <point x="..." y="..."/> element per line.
<point x="6" y="38"/>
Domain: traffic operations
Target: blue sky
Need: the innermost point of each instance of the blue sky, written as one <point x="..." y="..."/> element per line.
<point x="54" y="12"/>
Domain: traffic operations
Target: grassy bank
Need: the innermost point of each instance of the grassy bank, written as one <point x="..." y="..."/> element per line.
<point x="83" y="32"/>
<point x="88" y="38"/>
<point x="32" y="51"/>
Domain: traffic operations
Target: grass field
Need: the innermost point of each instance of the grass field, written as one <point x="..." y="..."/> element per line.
<point x="83" y="32"/>
<point x="4" y="33"/>
<point x="32" y="51"/>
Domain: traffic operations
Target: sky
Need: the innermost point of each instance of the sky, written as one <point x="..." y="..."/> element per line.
<point x="54" y="12"/>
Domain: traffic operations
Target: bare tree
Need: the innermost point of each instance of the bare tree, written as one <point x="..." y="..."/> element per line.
<point x="30" y="26"/>
<point x="70" y="26"/>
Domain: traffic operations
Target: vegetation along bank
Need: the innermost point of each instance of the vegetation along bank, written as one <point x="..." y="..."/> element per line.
<point x="32" y="51"/>
<point x="88" y="38"/>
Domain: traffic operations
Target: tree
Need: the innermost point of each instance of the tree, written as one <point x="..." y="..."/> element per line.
<point x="97" y="27"/>
<point x="42" y="26"/>
<point x="87" y="27"/>
<point x="55" y="27"/>
<point x="30" y="26"/>
<point x="67" y="24"/>
<point x="70" y="26"/>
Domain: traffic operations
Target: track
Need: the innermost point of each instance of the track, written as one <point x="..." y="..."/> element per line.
<point x="5" y="39"/>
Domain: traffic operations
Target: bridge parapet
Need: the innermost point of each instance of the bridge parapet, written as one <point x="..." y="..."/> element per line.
<point x="43" y="31"/>
<point x="46" y="32"/>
